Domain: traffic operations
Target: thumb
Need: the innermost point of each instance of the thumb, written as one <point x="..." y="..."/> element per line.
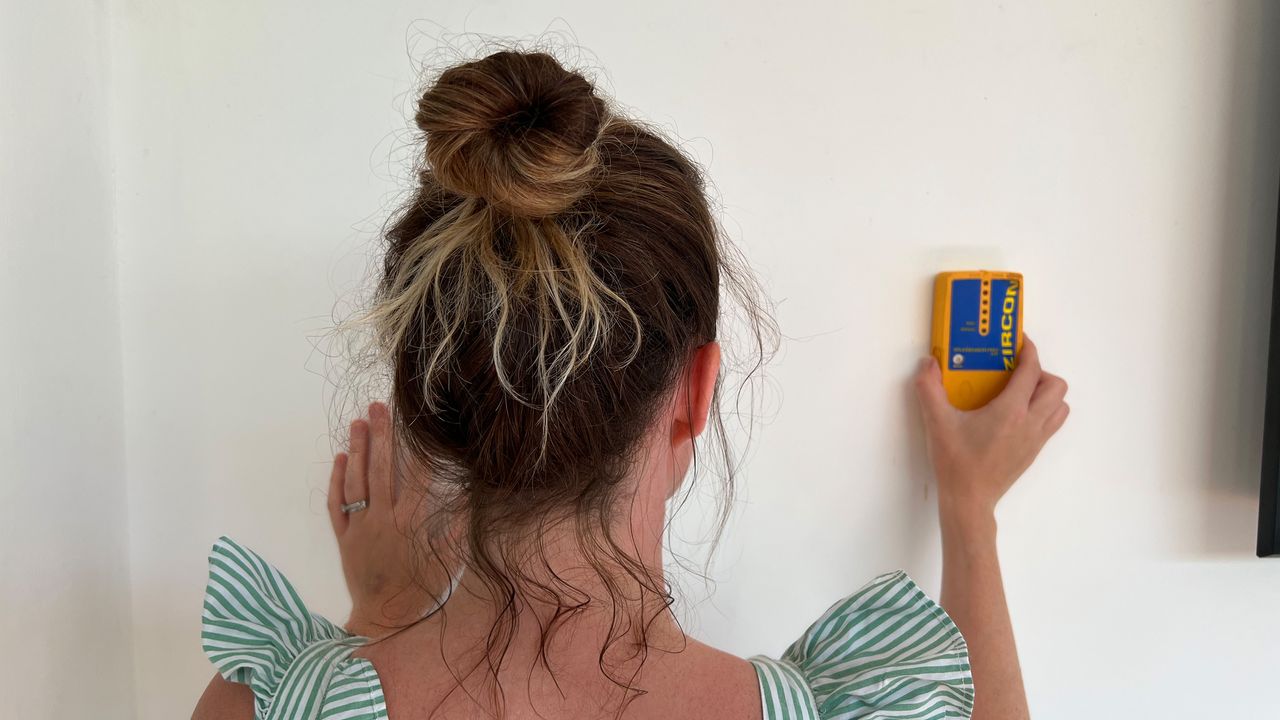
<point x="929" y="390"/>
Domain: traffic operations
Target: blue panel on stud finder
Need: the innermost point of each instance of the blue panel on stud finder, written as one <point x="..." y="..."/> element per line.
<point x="967" y="347"/>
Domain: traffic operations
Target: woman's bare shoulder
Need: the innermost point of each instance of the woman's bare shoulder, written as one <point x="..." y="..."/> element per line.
<point x="702" y="681"/>
<point x="224" y="700"/>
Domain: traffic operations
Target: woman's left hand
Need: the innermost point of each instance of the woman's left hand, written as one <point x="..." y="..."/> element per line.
<point x="376" y="551"/>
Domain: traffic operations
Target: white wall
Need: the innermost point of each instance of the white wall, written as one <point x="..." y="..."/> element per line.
<point x="64" y="572"/>
<point x="1121" y="155"/>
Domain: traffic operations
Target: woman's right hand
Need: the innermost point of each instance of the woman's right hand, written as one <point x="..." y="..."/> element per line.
<point x="978" y="454"/>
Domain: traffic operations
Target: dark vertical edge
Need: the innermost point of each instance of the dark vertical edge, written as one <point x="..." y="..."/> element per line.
<point x="1269" y="497"/>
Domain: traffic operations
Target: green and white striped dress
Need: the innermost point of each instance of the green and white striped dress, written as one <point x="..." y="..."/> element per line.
<point x="886" y="651"/>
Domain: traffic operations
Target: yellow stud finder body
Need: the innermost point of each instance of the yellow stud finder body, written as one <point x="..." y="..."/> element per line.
<point x="977" y="333"/>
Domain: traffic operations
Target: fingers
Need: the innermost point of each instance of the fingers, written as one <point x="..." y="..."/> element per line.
<point x="1055" y="421"/>
<point x="1025" y="377"/>
<point x="1048" y="396"/>
<point x="929" y="390"/>
<point x="356" y="485"/>
<point x="381" y="463"/>
<point x="337" y="477"/>
<point x="365" y="471"/>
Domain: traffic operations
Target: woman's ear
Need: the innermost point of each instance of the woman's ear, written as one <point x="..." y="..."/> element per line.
<point x="697" y="391"/>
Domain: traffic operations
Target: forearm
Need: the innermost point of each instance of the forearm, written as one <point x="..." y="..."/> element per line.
<point x="973" y="595"/>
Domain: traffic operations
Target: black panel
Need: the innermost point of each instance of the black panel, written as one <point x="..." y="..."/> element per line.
<point x="1269" y="507"/>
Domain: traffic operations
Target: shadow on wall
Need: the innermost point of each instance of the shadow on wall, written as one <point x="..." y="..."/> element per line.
<point x="1243" y="293"/>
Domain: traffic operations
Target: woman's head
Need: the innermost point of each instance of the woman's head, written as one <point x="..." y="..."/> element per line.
<point x="550" y="297"/>
<point x="543" y="289"/>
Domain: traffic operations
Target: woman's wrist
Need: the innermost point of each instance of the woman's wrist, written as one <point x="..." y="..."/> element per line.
<point x="966" y="520"/>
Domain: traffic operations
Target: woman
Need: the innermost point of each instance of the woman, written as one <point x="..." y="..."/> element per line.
<point x="549" y="310"/>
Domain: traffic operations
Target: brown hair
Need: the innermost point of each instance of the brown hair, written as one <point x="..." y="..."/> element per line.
<point x="541" y="291"/>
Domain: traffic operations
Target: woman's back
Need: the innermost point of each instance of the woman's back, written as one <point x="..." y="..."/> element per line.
<point x="884" y="651"/>
<point x="699" y="681"/>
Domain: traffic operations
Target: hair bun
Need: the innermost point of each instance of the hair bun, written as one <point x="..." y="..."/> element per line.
<point x="516" y="129"/>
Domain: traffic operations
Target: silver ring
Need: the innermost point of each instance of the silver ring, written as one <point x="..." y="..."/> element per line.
<point x="356" y="506"/>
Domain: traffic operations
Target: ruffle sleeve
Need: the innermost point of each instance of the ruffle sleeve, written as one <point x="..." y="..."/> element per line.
<point x="886" y="651"/>
<point x="258" y="632"/>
